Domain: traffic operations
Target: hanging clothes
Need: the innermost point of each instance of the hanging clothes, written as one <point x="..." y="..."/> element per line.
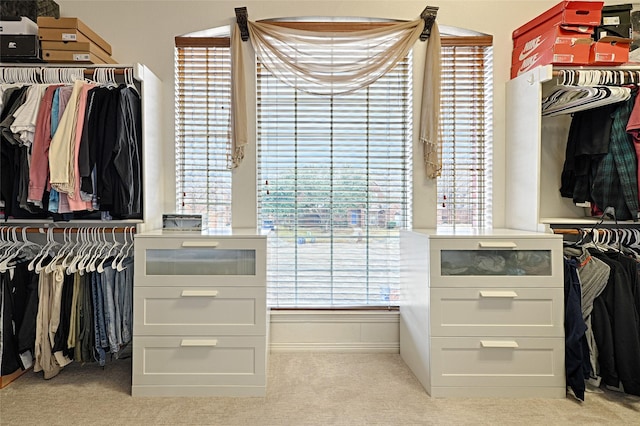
<point x="633" y="129"/>
<point x="71" y="150"/>
<point x="576" y="349"/>
<point x="616" y="324"/>
<point x="616" y="178"/>
<point x="601" y="167"/>
<point x="588" y="142"/>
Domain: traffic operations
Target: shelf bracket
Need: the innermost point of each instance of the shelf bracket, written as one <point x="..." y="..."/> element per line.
<point x="241" y="19"/>
<point x="429" y="15"/>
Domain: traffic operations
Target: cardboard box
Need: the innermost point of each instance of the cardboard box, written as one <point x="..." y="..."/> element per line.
<point x="19" y="48"/>
<point x="610" y="51"/>
<point x="79" y="57"/>
<point x="556" y="46"/>
<point x="19" y="25"/>
<point x="77" y="46"/>
<point x="565" y="13"/>
<point x="49" y="23"/>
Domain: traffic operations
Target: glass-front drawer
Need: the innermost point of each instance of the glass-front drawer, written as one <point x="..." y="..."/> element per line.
<point x="200" y="261"/>
<point x="223" y="261"/>
<point x="496" y="262"/>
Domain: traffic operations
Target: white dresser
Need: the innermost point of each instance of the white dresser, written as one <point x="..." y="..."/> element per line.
<point x="482" y="314"/>
<point x="200" y="323"/>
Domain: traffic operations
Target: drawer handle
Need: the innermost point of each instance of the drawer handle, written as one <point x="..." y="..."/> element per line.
<point x="499" y="294"/>
<point x="199" y="343"/>
<point x="499" y="343"/>
<point x="497" y="244"/>
<point x="203" y="244"/>
<point x="199" y="293"/>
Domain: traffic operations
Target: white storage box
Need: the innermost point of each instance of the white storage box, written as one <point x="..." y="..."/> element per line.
<point x="23" y="25"/>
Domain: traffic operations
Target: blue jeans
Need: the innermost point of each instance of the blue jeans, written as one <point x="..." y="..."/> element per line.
<point x="98" y="319"/>
<point x="108" y="279"/>
<point x="127" y="300"/>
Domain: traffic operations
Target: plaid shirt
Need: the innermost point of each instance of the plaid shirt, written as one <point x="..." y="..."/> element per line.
<point x="615" y="183"/>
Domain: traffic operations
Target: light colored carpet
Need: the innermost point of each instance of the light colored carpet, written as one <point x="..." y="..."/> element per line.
<point x="303" y="389"/>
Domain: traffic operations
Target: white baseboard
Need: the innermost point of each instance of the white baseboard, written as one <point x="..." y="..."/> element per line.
<point x="335" y="331"/>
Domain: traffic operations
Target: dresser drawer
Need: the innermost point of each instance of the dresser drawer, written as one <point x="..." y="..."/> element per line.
<point x="199" y="361"/>
<point x="200" y="261"/>
<point x="496" y="262"/>
<point x="199" y="310"/>
<point x="497" y="362"/>
<point x="533" y="312"/>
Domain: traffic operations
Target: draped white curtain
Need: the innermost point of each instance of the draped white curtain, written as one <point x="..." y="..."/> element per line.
<point x="291" y="55"/>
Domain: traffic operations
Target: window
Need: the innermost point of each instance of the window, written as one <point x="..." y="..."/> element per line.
<point x="203" y="132"/>
<point x="464" y="188"/>
<point x="334" y="189"/>
<point x="334" y="173"/>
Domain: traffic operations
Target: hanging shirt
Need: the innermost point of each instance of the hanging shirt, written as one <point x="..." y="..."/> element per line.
<point x="62" y="148"/>
<point x="24" y="123"/>
<point x="633" y="129"/>
<point x="39" y="170"/>
<point x="616" y="181"/>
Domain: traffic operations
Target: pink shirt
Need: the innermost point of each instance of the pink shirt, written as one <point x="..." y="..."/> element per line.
<point x="39" y="169"/>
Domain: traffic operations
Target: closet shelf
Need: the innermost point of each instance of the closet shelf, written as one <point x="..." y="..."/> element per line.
<point x="535" y="154"/>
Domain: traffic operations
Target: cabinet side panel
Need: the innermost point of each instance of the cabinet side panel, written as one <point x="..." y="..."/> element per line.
<point x="414" y="306"/>
<point x="153" y="186"/>
<point x="523" y="128"/>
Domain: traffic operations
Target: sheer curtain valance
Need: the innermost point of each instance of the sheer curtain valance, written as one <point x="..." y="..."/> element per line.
<point x="293" y="55"/>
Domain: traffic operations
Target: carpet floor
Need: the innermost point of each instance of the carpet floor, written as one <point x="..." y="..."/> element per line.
<point x="303" y="389"/>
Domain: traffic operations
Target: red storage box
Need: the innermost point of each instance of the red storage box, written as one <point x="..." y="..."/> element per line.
<point x="610" y="51"/>
<point x="565" y="13"/>
<point x="561" y="35"/>
<point x="556" y="46"/>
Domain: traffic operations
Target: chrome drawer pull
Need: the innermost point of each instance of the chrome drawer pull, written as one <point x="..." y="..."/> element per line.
<point x="199" y="293"/>
<point x="203" y="244"/>
<point x="499" y="343"/>
<point x="499" y="294"/>
<point x="497" y="244"/>
<point x="203" y="343"/>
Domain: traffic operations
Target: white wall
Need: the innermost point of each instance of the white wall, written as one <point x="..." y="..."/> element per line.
<point x="143" y="31"/>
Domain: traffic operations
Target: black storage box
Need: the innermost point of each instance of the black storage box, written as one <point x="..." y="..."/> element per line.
<point x="616" y="21"/>
<point x="29" y="8"/>
<point x="19" y="48"/>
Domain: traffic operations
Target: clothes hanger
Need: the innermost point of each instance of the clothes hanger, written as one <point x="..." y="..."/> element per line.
<point x="51" y="243"/>
<point x="99" y="253"/>
<point x="51" y="266"/>
<point x="126" y="251"/>
<point x="79" y="252"/>
<point x="20" y="247"/>
<point x="114" y="246"/>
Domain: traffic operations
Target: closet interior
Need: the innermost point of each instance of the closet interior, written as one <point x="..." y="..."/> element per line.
<point x="545" y="108"/>
<point x="66" y="296"/>
<point x="71" y="209"/>
<point x="572" y="165"/>
<point x="602" y="307"/>
<point x="49" y="170"/>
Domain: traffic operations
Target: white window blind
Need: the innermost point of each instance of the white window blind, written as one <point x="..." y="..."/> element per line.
<point x="334" y="189"/>
<point x="203" y="133"/>
<point x="464" y="188"/>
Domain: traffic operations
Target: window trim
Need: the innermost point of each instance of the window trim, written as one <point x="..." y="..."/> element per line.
<point x="445" y="40"/>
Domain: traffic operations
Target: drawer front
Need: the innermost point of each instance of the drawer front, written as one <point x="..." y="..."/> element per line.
<point x="534" y="312"/>
<point x="497" y="361"/>
<point x="200" y="261"/>
<point x="199" y="361"/>
<point x="491" y="262"/>
<point x="199" y="310"/>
